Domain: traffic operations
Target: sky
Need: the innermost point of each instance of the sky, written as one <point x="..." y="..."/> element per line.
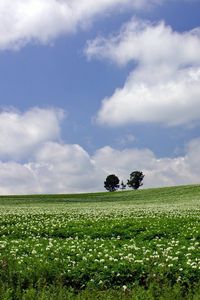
<point x="92" y="88"/>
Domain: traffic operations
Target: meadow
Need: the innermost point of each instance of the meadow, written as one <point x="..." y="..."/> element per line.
<point x="142" y="244"/>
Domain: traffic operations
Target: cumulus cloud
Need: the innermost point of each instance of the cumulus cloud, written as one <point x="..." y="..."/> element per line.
<point x="148" y="44"/>
<point x="71" y="169"/>
<point x="171" y="100"/>
<point x="64" y="168"/>
<point x="16" y="178"/>
<point x="164" y="87"/>
<point x="158" y="171"/>
<point x="22" y="133"/>
<point x="23" y="21"/>
<point x="33" y="158"/>
<point x="56" y="167"/>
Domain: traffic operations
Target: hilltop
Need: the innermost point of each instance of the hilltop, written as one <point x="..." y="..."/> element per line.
<point x="175" y="194"/>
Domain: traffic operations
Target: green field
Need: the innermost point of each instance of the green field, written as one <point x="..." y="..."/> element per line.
<point x="124" y="245"/>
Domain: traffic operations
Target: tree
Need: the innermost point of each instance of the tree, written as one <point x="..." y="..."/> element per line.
<point x="122" y="186"/>
<point x="135" y="180"/>
<point x="112" y="183"/>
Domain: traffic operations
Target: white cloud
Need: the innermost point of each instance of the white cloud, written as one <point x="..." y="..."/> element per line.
<point x="55" y="167"/>
<point x="172" y="100"/>
<point x="33" y="159"/>
<point x="22" y="21"/>
<point x="158" y="171"/>
<point x="16" y="178"/>
<point x="148" y="44"/>
<point x="69" y="169"/>
<point x="165" y="85"/>
<point x="22" y="133"/>
<point x="64" y="168"/>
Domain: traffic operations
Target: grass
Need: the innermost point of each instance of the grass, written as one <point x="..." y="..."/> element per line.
<point x="125" y="245"/>
<point x="177" y="194"/>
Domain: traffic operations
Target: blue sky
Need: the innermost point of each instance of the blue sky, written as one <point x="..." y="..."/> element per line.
<point x="108" y="87"/>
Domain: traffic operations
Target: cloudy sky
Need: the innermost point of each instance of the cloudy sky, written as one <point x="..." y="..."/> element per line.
<point x="90" y="88"/>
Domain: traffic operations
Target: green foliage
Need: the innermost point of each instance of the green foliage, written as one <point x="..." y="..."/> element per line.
<point x="112" y="183"/>
<point x="125" y="245"/>
<point x="135" y="180"/>
<point x="53" y="292"/>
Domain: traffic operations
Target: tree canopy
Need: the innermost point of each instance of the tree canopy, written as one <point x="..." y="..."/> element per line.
<point x="135" y="180"/>
<point x="112" y="183"/>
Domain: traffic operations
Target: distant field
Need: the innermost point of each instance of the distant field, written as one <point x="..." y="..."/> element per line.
<point x="124" y="245"/>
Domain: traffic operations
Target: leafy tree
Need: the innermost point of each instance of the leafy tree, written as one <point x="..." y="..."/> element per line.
<point x="122" y="186"/>
<point x="135" y="180"/>
<point x="112" y="183"/>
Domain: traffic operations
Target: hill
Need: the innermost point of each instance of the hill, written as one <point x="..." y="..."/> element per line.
<point x="164" y="195"/>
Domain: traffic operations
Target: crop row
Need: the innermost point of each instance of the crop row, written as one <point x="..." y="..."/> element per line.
<point x="98" y="246"/>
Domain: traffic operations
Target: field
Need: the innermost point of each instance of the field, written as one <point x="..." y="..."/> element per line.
<point x="125" y="245"/>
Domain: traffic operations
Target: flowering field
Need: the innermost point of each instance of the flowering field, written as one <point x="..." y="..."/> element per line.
<point x="121" y="245"/>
